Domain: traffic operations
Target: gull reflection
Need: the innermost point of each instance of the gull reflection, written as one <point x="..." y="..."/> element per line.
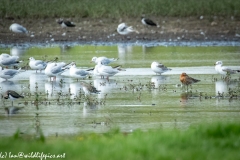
<point x="64" y="48"/>
<point x="18" y="51"/>
<point x="75" y="88"/>
<point x="12" y="110"/>
<point x="158" y="81"/>
<point x="224" y="86"/>
<point x="54" y="88"/>
<point x="88" y="108"/>
<point x="8" y="85"/>
<point x="104" y="86"/>
<point x="36" y="81"/>
<point x="124" y="50"/>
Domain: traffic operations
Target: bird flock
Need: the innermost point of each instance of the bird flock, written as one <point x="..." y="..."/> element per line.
<point x="101" y="69"/>
<point x="122" y="28"/>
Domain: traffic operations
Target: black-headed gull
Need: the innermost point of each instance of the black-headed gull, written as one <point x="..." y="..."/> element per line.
<point x="9" y="73"/>
<point x="186" y="80"/>
<point x="224" y="70"/>
<point x="103" y="60"/>
<point x="37" y="64"/>
<point x="148" y="22"/>
<point x="77" y="73"/>
<point x="12" y="95"/>
<point x="159" y="68"/>
<point x="65" y="23"/>
<point x="8" y="60"/>
<point x="17" y="28"/>
<point x="123" y="29"/>
<point x="88" y="88"/>
<point x="107" y="71"/>
<point x="53" y="69"/>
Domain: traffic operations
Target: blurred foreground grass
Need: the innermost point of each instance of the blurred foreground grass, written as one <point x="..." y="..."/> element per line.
<point x="215" y="141"/>
<point x="116" y="8"/>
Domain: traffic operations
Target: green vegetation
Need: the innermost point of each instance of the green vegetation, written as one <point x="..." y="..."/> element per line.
<point x="215" y="141"/>
<point x="117" y="8"/>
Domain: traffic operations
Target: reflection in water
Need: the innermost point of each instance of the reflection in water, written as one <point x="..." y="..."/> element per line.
<point x="223" y="86"/>
<point x="159" y="80"/>
<point x="18" y="51"/>
<point x="135" y="109"/>
<point x="184" y="98"/>
<point x="8" y="85"/>
<point x="123" y="50"/>
<point x="55" y="87"/>
<point x="75" y="88"/>
<point x="88" y="108"/>
<point x="36" y="82"/>
<point x="104" y="86"/>
<point x="64" y="48"/>
<point x="12" y="110"/>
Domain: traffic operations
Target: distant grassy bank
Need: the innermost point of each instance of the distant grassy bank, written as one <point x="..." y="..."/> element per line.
<point x="215" y="141"/>
<point x="117" y="8"/>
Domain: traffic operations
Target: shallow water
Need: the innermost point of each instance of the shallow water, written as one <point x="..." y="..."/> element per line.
<point x="133" y="99"/>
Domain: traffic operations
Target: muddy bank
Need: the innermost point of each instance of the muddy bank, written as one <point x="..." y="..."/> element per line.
<point x="191" y="29"/>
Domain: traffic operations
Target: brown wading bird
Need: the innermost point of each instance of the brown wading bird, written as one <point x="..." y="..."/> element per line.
<point x="88" y="88"/>
<point x="186" y="80"/>
<point x="12" y="95"/>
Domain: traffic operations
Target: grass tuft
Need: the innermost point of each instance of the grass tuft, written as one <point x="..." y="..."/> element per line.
<point x="116" y="8"/>
<point x="207" y="141"/>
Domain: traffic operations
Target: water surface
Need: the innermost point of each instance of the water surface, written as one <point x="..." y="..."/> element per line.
<point x="134" y="99"/>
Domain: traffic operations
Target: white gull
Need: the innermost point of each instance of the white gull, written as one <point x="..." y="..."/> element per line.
<point x="123" y="29"/>
<point x="103" y="60"/>
<point x="16" y="28"/>
<point x="37" y="64"/>
<point x="108" y="71"/>
<point x="77" y="73"/>
<point x="53" y="69"/>
<point x="224" y="70"/>
<point x="159" y="68"/>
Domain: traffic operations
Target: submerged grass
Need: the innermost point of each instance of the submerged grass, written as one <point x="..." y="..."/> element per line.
<point x="116" y="8"/>
<point x="215" y="141"/>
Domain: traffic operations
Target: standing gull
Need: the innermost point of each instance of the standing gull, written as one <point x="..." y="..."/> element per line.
<point x="37" y="64"/>
<point x="159" y="68"/>
<point x="123" y="29"/>
<point x="12" y="95"/>
<point x="103" y="60"/>
<point x="53" y="69"/>
<point x="16" y="28"/>
<point x="108" y="71"/>
<point x="77" y="73"/>
<point x="9" y="73"/>
<point x="224" y="70"/>
<point x="89" y="89"/>
<point x="186" y="80"/>
<point x="147" y="22"/>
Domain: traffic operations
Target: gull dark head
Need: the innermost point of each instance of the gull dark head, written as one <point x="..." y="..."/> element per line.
<point x="219" y="63"/>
